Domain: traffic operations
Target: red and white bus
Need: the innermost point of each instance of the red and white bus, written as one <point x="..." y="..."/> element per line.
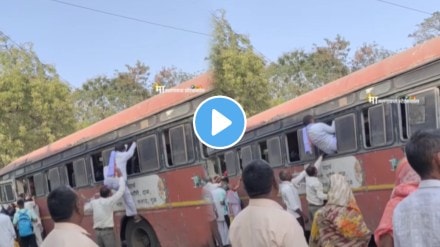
<point x="370" y="134"/>
<point x="164" y="174"/>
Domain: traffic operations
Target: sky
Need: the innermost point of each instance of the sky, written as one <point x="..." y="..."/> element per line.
<point x="83" y="44"/>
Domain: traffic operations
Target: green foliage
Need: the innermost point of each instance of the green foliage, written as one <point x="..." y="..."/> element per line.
<point x="368" y="54"/>
<point x="102" y="97"/>
<point x="428" y="29"/>
<point x="298" y="72"/>
<point x="238" y="71"/>
<point x="170" y="77"/>
<point x="36" y="107"/>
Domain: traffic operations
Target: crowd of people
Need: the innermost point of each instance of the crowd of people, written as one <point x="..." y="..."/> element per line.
<point x="409" y="219"/>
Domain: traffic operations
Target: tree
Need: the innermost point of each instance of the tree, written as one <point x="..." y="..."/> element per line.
<point x="102" y="97"/>
<point x="428" y="29"/>
<point x="36" y="106"/>
<point x="368" y="54"/>
<point x="170" y="77"/>
<point x="297" y="72"/>
<point x="238" y="71"/>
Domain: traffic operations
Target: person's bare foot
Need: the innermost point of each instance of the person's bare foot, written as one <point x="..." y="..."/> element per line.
<point x="137" y="218"/>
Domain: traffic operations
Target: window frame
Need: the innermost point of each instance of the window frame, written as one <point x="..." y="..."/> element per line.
<point x="184" y="126"/>
<point x="356" y="141"/>
<point x="139" y="145"/>
<point x="86" y="177"/>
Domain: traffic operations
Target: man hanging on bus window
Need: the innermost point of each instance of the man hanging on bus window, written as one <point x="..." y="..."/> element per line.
<point x="320" y="134"/>
<point x="119" y="158"/>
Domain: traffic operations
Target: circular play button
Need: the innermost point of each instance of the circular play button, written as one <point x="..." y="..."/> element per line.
<point x="219" y="122"/>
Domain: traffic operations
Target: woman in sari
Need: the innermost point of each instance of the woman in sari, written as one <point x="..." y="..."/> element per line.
<point x="339" y="223"/>
<point x="407" y="181"/>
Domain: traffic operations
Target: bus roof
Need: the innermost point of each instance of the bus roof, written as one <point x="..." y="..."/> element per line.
<point x="389" y="67"/>
<point x="135" y="113"/>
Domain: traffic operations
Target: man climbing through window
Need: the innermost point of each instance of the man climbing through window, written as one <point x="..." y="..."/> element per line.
<point x="320" y="134"/>
<point x="118" y="159"/>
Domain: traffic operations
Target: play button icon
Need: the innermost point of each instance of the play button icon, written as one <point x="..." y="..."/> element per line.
<point x="219" y="122"/>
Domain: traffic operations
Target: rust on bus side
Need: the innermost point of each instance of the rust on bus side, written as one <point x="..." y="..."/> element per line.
<point x="389" y="67"/>
<point x="135" y="113"/>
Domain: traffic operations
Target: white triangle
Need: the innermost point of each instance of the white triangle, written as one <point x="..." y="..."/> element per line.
<point x="219" y="122"/>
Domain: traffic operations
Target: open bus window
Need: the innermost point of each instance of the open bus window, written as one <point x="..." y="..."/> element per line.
<point x="31" y="186"/>
<point x="211" y="167"/>
<point x="97" y="166"/>
<point x="222" y="164"/>
<point x="70" y="175"/>
<point x="292" y="146"/>
<point x="179" y="144"/>
<point x="133" y="162"/>
<point x="263" y="151"/>
<point x="21" y="186"/>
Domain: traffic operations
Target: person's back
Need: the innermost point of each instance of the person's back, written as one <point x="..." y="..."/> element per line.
<point x="416" y="218"/>
<point x="321" y="134"/>
<point x="121" y="158"/>
<point x="64" y="208"/>
<point x="264" y="222"/>
<point x="7" y="232"/>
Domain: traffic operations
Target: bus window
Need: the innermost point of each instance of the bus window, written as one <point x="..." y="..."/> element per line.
<point x="377" y="125"/>
<point x="222" y="164"/>
<point x="53" y="179"/>
<point x="422" y="113"/>
<point x="149" y="154"/>
<point x="79" y="173"/>
<point x="70" y="175"/>
<point x="262" y="147"/>
<point x="346" y="133"/>
<point x="231" y="160"/>
<point x="133" y="162"/>
<point x="31" y="185"/>
<point x="40" y="186"/>
<point x="246" y="156"/>
<point x="292" y="146"/>
<point x="179" y="144"/>
<point x="21" y="186"/>
<point x="274" y="151"/>
<point x="97" y="166"/>
<point x="303" y="155"/>
<point x="6" y="192"/>
<point x="211" y="167"/>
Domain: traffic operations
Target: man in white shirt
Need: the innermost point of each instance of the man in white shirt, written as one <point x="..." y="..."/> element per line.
<point x="120" y="157"/>
<point x="291" y="198"/>
<point x="416" y="218"/>
<point x="7" y="232"/>
<point x="38" y="227"/>
<point x="321" y="134"/>
<point x="264" y="222"/>
<point x="67" y="213"/>
<point x="102" y="210"/>
<point x="314" y="190"/>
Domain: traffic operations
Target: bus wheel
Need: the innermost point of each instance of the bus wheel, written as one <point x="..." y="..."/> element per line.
<point x="140" y="234"/>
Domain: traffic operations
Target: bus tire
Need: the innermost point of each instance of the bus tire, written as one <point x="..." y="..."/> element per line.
<point x="140" y="234"/>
